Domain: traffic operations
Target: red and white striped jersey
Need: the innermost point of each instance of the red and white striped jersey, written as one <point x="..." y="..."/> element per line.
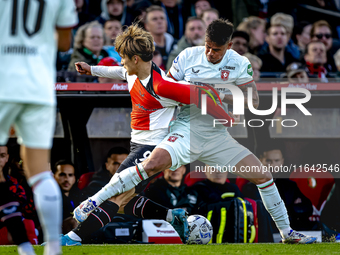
<point x="151" y="113"/>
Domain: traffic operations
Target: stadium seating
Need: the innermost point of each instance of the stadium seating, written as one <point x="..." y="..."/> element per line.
<point x="84" y="180"/>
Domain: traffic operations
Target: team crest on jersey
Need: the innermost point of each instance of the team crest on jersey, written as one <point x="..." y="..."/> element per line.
<point x="225" y="74"/>
<point x="172" y="139"/>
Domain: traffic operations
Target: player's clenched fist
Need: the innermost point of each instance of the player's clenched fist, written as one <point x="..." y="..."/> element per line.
<point x="83" y="68"/>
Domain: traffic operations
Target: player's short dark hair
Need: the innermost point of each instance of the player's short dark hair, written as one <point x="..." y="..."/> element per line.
<point x="117" y="150"/>
<point x="220" y="31"/>
<point x="63" y="162"/>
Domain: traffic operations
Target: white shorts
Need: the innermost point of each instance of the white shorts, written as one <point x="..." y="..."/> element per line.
<point x="33" y="123"/>
<point x="185" y="146"/>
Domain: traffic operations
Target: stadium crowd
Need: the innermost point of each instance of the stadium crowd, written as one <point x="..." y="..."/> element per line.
<point x="280" y="39"/>
<point x="278" y="33"/>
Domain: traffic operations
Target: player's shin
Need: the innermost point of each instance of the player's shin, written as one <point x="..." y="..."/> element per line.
<point x="143" y="207"/>
<point x="120" y="183"/>
<point x="275" y="206"/>
<point x="47" y="199"/>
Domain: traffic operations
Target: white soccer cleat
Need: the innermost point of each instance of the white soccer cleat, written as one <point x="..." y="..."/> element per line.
<point x="83" y="210"/>
<point x="295" y="237"/>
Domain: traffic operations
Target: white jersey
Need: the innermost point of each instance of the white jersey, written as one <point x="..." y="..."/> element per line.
<point x="192" y="65"/>
<point x="28" y="48"/>
<point x="151" y="114"/>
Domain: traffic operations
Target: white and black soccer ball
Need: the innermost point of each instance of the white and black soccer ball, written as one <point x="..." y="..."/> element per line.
<point x="201" y="230"/>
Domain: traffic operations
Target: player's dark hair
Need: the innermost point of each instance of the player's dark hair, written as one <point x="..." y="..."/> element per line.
<point x="117" y="150"/>
<point x="62" y="162"/>
<point x="220" y="31"/>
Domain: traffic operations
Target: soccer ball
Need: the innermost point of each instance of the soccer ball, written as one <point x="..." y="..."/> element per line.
<point x="201" y="230"/>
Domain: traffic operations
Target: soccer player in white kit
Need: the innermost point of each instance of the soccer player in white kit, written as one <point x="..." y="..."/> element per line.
<point x="27" y="97"/>
<point x="193" y="137"/>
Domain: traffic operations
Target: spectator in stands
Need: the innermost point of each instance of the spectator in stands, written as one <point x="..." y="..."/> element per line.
<point x="316" y="58"/>
<point x="13" y="200"/>
<point x="112" y="28"/>
<point x="288" y="22"/>
<point x="155" y="23"/>
<point x="158" y="60"/>
<point x="296" y="73"/>
<point x="322" y="31"/>
<point x="194" y="36"/>
<point x="337" y="62"/>
<point x="256" y="64"/>
<point x="64" y="174"/>
<point x="210" y="15"/>
<point x="201" y="6"/>
<point x="108" y="61"/>
<point x="170" y="192"/>
<point x="240" y="41"/>
<point x="113" y="160"/>
<point x="256" y="29"/>
<point x="139" y="10"/>
<point x="175" y="17"/>
<point x="299" y="207"/>
<point x="301" y="36"/>
<point x="88" y="45"/>
<point x="84" y="14"/>
<point x="115" y="9"/>
<point x="213" y="189"/>
<point x="275" y="57"/>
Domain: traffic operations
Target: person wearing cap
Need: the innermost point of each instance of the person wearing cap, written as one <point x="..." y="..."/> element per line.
<point x="108" y="61"/>
<point x="296" y="73"/>
<point x="240" y="41"/>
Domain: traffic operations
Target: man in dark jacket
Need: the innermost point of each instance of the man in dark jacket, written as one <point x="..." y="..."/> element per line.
<point x="170" y="192"/>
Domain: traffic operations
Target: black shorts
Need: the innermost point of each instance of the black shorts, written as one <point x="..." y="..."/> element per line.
<point x="138" y="153"/>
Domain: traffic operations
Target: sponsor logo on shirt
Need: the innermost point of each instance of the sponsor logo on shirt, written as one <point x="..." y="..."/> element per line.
<point x="227" y="67"/>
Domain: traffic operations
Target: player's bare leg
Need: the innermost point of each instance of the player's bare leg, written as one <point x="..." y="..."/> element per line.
<point x="270" y="197"/>
<point x="47" y="196"/>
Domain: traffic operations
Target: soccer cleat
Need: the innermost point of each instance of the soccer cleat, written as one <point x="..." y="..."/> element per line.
<point x="83" y="210"/>
<point x="296" y="237"/>
<point x="180" y="224"/>
<point x="65" y="240"/>
<point x="337" y="238"/>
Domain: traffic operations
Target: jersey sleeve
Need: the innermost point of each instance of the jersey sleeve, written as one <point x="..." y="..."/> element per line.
<point x="113" y="72"/>
<point x="178" y="66"/>
<point x="67" y="16"/>
<point x="246" y="73"/>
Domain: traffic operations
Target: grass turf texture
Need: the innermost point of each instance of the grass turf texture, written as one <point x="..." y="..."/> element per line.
<point x="146" y="249"/>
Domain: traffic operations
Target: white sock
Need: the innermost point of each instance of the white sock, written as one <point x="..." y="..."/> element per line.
<point x="74" y="236"/>
<point x="120" y="182"/>
<point x="275" y="206"/>
<point x="26" y="249"/>
<point x="53" y="248"/>
<point x="48" y="202"/>
<point x="169" y="216"/>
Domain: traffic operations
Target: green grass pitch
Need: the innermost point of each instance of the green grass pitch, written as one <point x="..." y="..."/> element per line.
<point x="146" y="249"/>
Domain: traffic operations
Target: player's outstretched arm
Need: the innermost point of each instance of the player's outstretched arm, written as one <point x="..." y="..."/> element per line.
<point x="83" y="68"/>
<point x="191" y="94"/>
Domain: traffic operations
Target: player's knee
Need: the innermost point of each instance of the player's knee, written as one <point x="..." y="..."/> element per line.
<point x="153" y="166"/>
<point x="267" y="176"/>
<point x="10" y="210"/>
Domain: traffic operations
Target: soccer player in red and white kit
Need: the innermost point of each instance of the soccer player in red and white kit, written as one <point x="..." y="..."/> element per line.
<point x="154" y="100"/>
<point x="192" y="135"/>
<point x="27" y="98"/>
